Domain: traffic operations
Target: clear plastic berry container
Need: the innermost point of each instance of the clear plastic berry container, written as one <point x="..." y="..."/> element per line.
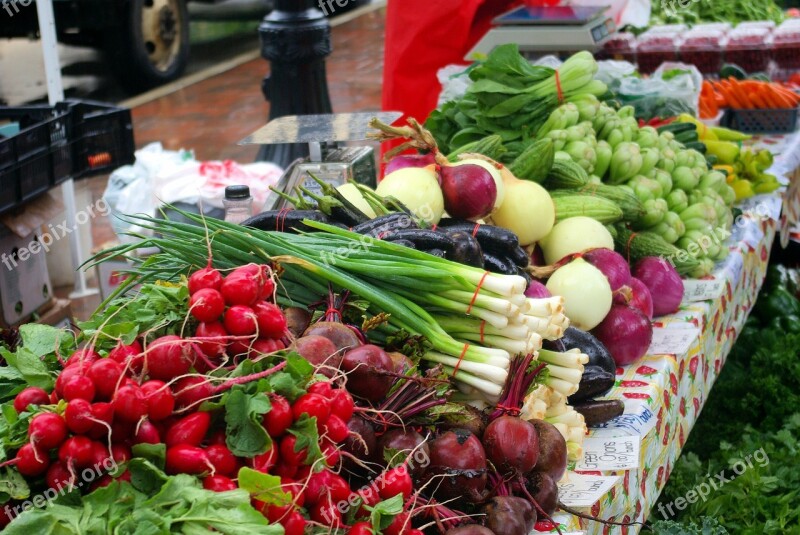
<point x="786" y="47"/>
<point x="703" y="48"/>
<point x="723" y="27"/>
<point x="750" y="48"/>
<point x="656" y="46"/>
<point x="759" y="24"/>
<point x="621" y="47"/>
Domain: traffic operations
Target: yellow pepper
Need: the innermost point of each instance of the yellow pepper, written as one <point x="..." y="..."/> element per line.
<point x="743" y="189"/>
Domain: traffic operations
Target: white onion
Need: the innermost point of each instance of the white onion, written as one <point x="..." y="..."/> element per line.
<point x="586" y="292"/>
<point x="573" y="235"/>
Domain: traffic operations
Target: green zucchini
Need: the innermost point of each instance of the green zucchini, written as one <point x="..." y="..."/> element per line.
<point x="535" y="161"/>
<point x="637" y="245"/>
<point x="597" y="208"/>
<point x="566" y="174"/>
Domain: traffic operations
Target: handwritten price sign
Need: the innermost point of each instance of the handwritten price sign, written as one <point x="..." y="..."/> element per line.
<point x="610" y="453"/>
<point x="578" y="490"/>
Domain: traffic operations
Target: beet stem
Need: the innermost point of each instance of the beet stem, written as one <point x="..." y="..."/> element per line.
<point x="595" y="519"/>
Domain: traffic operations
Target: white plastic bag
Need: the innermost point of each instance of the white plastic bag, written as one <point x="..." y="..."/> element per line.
<point x="455" y="81"/>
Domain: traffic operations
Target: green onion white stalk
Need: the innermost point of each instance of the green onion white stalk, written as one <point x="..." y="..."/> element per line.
<point x="569" y="423"/>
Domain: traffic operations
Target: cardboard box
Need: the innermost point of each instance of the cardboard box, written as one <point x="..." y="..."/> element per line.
<point x="59" y="314"/>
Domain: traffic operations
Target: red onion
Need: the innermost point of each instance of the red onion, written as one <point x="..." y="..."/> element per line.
<point x="664" y="283"/>
<point x="626" y="332"/>
<point x="636" y="295"/>
<point x="471" y="189"/>
<point x="408" y="160"/>
<point x="537" y="290"/>
<point x="612" y="265"/>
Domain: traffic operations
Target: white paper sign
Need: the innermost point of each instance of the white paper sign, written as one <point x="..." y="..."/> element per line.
<point x="638" y="420"/>
<point x="610" y="453"/>
<point x="579" y="490"/>
<point x="702" y="290"/>
<point x="672" y="341"/>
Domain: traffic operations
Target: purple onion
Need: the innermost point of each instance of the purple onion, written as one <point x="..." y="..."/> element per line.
<point x="626" y="332"/>
<point x="612" y="265"/>
<point x="408" y="160"/>
<point x="470" y="191"/>
<point x="537" y="290"/>
<point x="664" y="283"/>
<point x="641" y="297"/>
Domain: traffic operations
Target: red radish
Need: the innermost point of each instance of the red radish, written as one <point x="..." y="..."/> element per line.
<point x="240" y="320"/>
<point x="342" y="404"/>
<point x="266" y="461"/>
<point x="130" y="404"/>
<point x="54" y="397"/>
<point x="101" y="458"/>
<point x="294" y="524"/>
<point x="216" y="338"/>
<point x="103" y="413"/>
<point x="30" y="462"/>
<point x="191" y="391"/>
<point x="105" y="374"/>
<point x="240" y="347"/>
<point x="267" y="289"/>
<point x="217" y="437"/>
<point x="78" y="387"/>
<point x="204" y="278"/>
<point x="160" y="401"/>
<point x="76" y="451"/>
<point x="289" y="454"/>
<point x="322" y="388"/>
<point x="399" y="525"/>
<point x="286" y="470"/>
<point x="224" y="461"/>
<point x="219" y="483"/>
<point x="240" y="289"/>
<point x="30" y="396"/>
<point x="66" y="375"/>
<point x="146" y="433"/>
<point x="83" y="357"/>
<point x="325" y="484"/>
<point x="295" y="490"/>
<point x="187" y="459"/>
<point x="168" y="357"/>
<point x="120" y="453"/>
<point x="271" y="321"/>
<point x="264" y="347"/>
<point x="331" y="452"/>
<point x="206" y="305"/>
<point x="314" y="405"/>
<point x="512" y="444"/>
<point x="326" y="513"/>
<point x="190" y="430"/>
<point x="360" y="528"/>
<point x="279" y="418"/>
<point x="59" y="477"/>
<point x="130" y="356"/>
<point x="78" y="416"/>
<point x="336" y="429"/>
<point x="395" y="481"/>
<point x="47" y="430"/>
<point x="626" y="333"/>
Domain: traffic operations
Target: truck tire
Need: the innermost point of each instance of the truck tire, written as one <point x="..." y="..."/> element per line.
<point x="151" y="47"/>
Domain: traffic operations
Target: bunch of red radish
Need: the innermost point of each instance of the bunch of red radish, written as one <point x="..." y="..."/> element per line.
<point x="235" y="313"/>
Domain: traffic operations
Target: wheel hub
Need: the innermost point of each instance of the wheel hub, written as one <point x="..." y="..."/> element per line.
<point x="161" y="32"/>
<point x="167" y="25"/>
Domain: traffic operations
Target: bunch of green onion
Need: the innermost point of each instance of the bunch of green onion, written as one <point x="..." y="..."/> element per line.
<point x="423" y="295"/>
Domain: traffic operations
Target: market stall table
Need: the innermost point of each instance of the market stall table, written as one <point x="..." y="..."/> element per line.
<point x="628" y="460"/>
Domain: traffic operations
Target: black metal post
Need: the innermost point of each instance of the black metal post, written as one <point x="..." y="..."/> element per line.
<point x="295" y="39"/>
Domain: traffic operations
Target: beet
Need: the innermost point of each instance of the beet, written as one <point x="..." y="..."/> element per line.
<point x="544" y="490"/>
<point x="512" y="444"/>
<point x="470" y="529"/>
<point x="552" y="450"/>
<point x="361" y="443"/>
<point x="338" y="333"/>
<point x="458" y="466"/>
<point x="509" y="515"/>
<point x="365" y="367"/>
<point x="297" y="320"/>
<point x="401" y="362"/>
<point x="470" y="418"/>
<point x="406" y="441"/>
<point x="320" y="352"/>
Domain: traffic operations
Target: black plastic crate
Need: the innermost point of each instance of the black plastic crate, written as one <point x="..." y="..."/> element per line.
<point x="761" y="121"/>
<point x="102" y="137"/>
<point x="9" y="188"/>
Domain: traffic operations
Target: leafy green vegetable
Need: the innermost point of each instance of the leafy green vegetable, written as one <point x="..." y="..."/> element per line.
<point x="246" y="436"/>
<point x="383" y="513"/>
<point x="153" y="503"/>
<point x="707" y="526"/>
<point x="263" y="487"/>
<point x="305" y="430"/>
<point x="157" y="309"/>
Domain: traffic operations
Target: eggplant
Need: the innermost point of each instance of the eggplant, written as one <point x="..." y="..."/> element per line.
<point x="594" y="348"/>
<point x="520" y="257"/>
<point x="422" y="238"/>
<point x="441" y="253"/>
<point x="600" y="411"/>
<point x="595" y="381"/>
<point x="467" y="250"/>
<point x="386" y="223"/>
<point x="287" y="220"/>
<point x="491" y="238"/>
<point x="498" y="264"/>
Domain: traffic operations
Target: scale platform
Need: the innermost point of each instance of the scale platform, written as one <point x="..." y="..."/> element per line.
<point x="543" y="30"/>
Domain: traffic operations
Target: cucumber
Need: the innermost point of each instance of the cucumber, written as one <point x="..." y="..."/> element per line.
<point x="535" y="162"/>
<point x="676" y="127"/>
<point x="566" y="174"/>
<point x="597" y="208"/>
<point x="697" y="145"/>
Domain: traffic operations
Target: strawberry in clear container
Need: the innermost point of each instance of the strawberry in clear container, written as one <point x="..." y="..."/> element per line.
<point x="749" y="48"/>
<point x="703" y="49"/>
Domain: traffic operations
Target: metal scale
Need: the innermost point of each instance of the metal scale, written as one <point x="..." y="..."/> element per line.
<point x="327" y="160"/>
<point x="542" y="30"/>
